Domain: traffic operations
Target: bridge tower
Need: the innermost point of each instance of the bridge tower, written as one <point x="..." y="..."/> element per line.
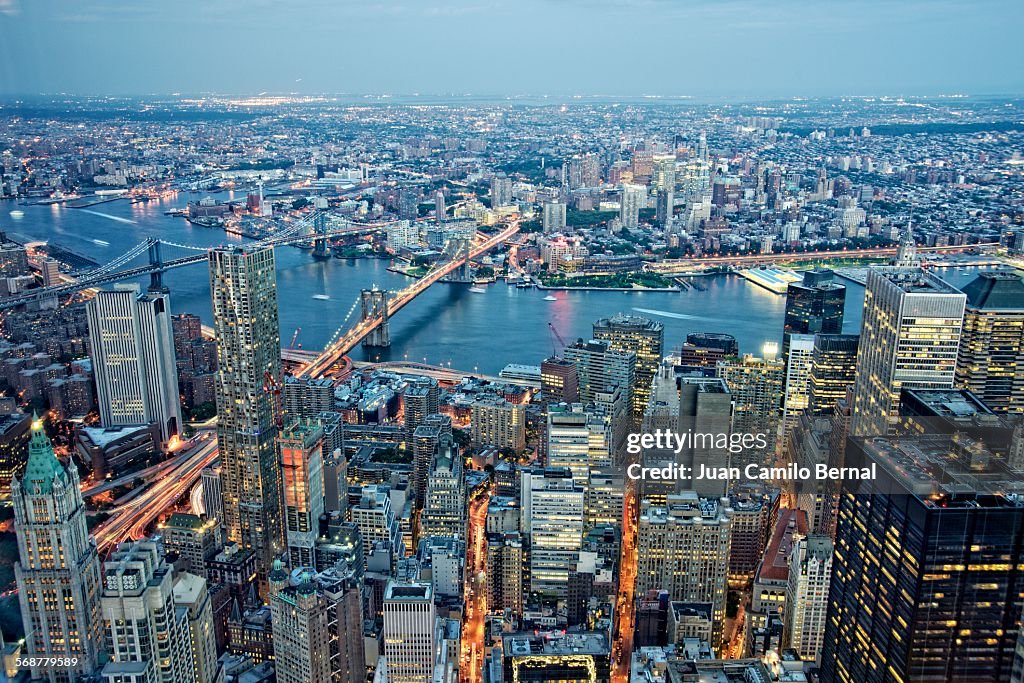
<point x="320" y="249"/>
<point x="465" y="271"/>
<point x="375" y="302"/>
<point x="156" y="278"/>
<point x="458" y="250"/>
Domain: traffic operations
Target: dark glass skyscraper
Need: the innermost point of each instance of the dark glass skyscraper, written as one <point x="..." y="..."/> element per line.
<point x="927" y="577"/>
<point x="815" y="305"/>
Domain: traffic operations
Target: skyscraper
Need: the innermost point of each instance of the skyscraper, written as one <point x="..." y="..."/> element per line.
<point x="991" y="362"/>
<point x="192" y="596"/>
<point x="757" y="387"/>
<point x="799" y="360"/>
<point x="683" y="547"/>
<point x="148" y="638"/>
<point x="810" y="570"/>
<point x="554" y="506"/>
<point x="244" y="287"/>
<point x="501" y="191"/>
<point x="558" y="381"/>
<point x="663" y="208"/>
<point x="133" y="359"/>
<point x="705" y="349"/>
<point x="600" y="367"/>
<point x="302" y="475"/>
<point x="910" y="337"/>
<point x="409" y="632"/>
<point x="833" y="370"/>
<point x="815" y="305"/>
<point x="300" y="626"/>
<point x="445" y="511"/>
<point x="58" y="569"/>
<point x="926" y="575"/>
<point x="634" y="198"/>
<point x="553" y="218"/>
<point x="643" y="337"/>
<point x="439" y="207"/>
<point x="418" y="401"/>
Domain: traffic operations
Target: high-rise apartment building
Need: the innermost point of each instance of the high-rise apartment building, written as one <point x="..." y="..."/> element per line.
<point x="810" y="570"/>
<point x="991" y="362"/>
<point x="302" y="475"/>
<point x="643" y="337"/>
<point x="409" y="632"/>
<point x="505" y="559"/>
<point x="926" y="574"/>
<point x="133" y="359"/>
<point x="58" y="569"/>
<point x="553" y="218"/>
<point x="501" y="191"/>
<point x="683" y="547"/>
<point x="428" y="436"/>
<point x="910" y="338"/>
<point x="833" y="370"/>
<point x="245" y="320"/>
<point x="634" y="198"/>
<point x="147" y="637"/>
<point x="419" y="400"/>
<point x="496" y="422"/>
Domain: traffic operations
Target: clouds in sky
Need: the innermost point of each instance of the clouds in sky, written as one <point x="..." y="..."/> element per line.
<point x="496" y="47"/>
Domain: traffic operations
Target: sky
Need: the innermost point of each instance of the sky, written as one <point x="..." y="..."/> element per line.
<point x="713" y="48"/>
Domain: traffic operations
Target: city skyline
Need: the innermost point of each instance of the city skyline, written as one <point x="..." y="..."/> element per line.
<point x="55" y="46"/>
<point x="477" y="393"/>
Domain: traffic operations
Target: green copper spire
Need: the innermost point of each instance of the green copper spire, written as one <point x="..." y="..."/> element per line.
<point x="43" y="466"/>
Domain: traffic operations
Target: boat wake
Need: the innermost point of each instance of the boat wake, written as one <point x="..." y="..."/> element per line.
<point x="677" y="316"/>
<point x="107" y="215"/>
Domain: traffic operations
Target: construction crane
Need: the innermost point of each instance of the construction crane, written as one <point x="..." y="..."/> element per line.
<point x="561" y="342"/>
<point x="295" y="338"/>
<point x="272" y="386"/>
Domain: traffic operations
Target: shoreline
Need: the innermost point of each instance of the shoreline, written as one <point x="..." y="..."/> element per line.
<point x="592" y="288"/>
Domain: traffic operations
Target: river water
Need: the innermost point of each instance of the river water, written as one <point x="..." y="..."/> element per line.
<point x="447" y="323"/>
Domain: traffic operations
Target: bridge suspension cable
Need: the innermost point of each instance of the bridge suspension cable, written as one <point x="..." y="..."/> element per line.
<point x="120" y="260"/>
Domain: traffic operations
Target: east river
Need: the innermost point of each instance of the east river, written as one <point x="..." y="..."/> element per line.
<point x="446" y="324"/>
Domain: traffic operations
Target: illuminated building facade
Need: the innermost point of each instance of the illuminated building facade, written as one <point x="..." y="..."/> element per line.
<point x="132" y="347"/>
<point x="409" y="632"/>
<point x="815" y="305"/>
<point x="302" y="473"/>
<point x="991" y="362"/>
<point x="683" y="547"/>
<point x="244" y="287"/>
<point x="926" y="575"/>
<point x="556" y="513"/>
<point x="910" y="337"/>
<point x="147" y="637"/>
<point x="833" y="370"/>
<point x="645" y="339"/>
<point x="58" y="569"/>
<point x="558" y="381"/>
